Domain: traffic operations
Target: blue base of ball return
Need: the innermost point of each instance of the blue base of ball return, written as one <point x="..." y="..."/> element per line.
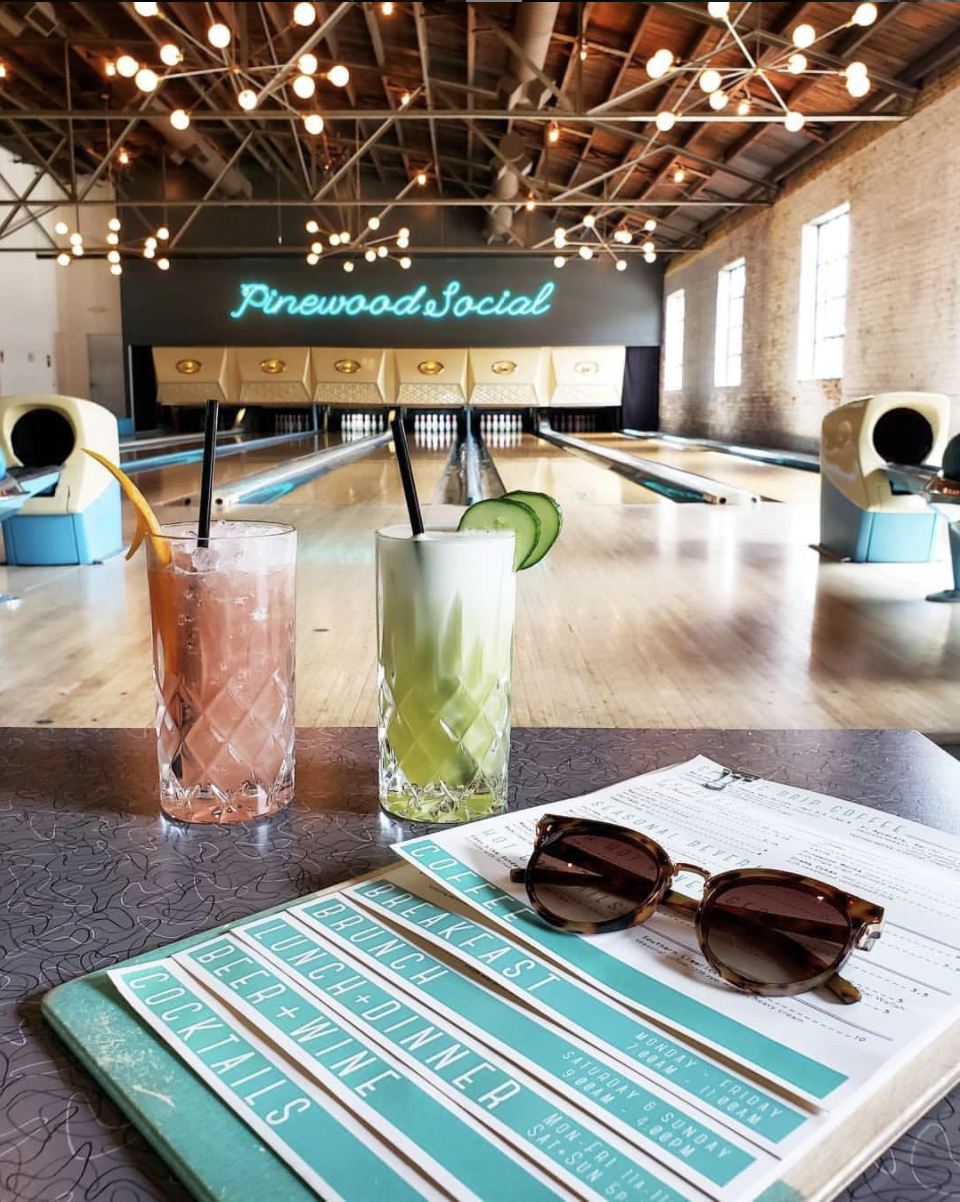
<point x="863" y="536"/>
<point x="66" y="538"/>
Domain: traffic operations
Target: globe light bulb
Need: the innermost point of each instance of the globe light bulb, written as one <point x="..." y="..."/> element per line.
<point x="370" y="254"/>
<point x="797" y="64"/>
<point x="113" y="239"/>
<point x="718" y="100"/>
<point x="348" y="265"/>
<point x="304" y="86"/>
<point x="61" y="228"/>
<point x="219" y="35"/>
<point x="403" y="243"/>
<point x="660" y="63"/>
<point x="116" y="269"/>
<point x="112" y="224"/>
<point x="163" y="233"/>
<point x="406" y="262"/>
<point x="308" y="63"/>
<point x="345" y="237"/>
<point x="304" y="15"/>
<point x="679" y="175"/>
<point x="858" y="86"/>
<point x="113" y="256"/>
<point x="649" y="225"/>
<point x="316" y="248"/>
<point x="559" y="235"/>
<point x="127" y="66"/>
<point x="718" y="10"/>
<point x="247" y="99"/>
<point x="804" y="36"/>
<point x="648" y="248"/>
<point x="152" y="242"/>
<point x="334" y="239"/>
<point x="586" y="252"/>
<point x="149" y="252"/>
<point x="405" y="99"/>
<point x="373" y="223"/>
<point x="553" y="133"/>
<point x="109" y="69"/>
<point x="170" y="55"/>
<point x="710" y="80"/>
<point x="743" y="108"/>
<point x="403" y="232"/>
<point x="855" y="68"/>
<point x="313" y="258"/>
<point x="339" y="76"/>
<point x="313" y="123"/>
<point x="123" y="158"/>
<point x="63" y="259"/>
<point x="865" y="14"/>
<point x="77" y="250"/>
<point x="387" y="9"/>
<point x="665" y="121"/>
<point x="146" y="10"/>
<point x="794" y="122"/>
<point x="621" y="264"/>
<point x="163" y="264"/>
<point x="558" y="261"/>
<point x="531" y="204"/>
<point x="381" y="252"/>
<point x="180" y="119"/>
<point x="76" y="239"/>
<point x="589" y="221"/>
<point x="421" y="178"/>
<point x="650" y="258"/>
<point x="312" y="227"/>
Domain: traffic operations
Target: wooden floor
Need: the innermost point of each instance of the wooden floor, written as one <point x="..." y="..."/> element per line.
<point x="646" y="613"/>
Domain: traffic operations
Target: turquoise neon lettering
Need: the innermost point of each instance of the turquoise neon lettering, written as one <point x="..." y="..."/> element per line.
<point x="452" y="301"/>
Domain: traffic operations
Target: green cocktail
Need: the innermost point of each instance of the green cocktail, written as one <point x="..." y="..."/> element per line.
<point x="445" y="609"/>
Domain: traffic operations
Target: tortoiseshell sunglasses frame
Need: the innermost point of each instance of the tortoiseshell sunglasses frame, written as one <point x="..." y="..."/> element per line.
<point x="865" y="919"/>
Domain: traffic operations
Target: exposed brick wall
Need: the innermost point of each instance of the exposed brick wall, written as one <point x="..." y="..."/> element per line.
<point x="903" y="299"/>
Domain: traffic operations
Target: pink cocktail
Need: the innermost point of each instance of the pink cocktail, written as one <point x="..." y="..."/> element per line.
<point x="224" y="649"/>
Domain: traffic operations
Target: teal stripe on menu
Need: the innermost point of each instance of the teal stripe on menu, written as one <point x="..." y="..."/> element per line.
<point x="258" y="1086"/>
<point x="819" y="1080"/>
<point x="738" y="1099"/>
<point x="673" y="1132"/>
<point x="396" y="1096"/>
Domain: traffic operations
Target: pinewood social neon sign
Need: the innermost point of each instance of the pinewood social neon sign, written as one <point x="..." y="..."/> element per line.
<point x="452" y="302"/>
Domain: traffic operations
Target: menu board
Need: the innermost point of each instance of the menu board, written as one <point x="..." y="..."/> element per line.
<point x="424" y="1034"/>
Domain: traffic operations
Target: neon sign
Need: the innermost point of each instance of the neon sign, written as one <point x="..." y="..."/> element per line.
<point x="452" y="302"/>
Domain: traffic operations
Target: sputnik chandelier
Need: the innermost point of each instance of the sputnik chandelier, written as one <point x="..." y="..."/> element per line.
<point x="742" y="87"/>
<point x="370" y="244"/>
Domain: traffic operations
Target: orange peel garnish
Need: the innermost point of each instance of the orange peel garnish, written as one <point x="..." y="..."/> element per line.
<point x="146" y="519"/>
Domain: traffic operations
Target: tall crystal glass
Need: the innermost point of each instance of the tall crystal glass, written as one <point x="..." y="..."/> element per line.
<point x="224" y="652"/>
<point x="445" y="610"/>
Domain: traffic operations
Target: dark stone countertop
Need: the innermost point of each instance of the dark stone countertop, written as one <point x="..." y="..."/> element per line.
<point x="90" y="874"/>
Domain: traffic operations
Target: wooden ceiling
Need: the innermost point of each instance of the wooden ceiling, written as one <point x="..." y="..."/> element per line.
<point x="454" y="57"/>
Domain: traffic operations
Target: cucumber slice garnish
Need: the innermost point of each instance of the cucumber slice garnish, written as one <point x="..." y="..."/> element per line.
<point x="506" y="515"/>
<point x="551" y="520"/>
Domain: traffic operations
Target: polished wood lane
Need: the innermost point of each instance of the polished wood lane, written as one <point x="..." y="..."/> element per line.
<point x="642" y="615"/>
<point x="766" y="479"/>
<point x="525" y="461"/>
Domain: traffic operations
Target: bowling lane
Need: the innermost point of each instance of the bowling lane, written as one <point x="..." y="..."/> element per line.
<point x="525" y="461"/>
<point x="165" y="485"/>
<point x="374" y="480"/>
<point x="766" y="479"/>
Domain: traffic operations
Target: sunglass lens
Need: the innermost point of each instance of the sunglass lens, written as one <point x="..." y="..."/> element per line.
<point x="774" y="933"/>
<point x="592" y="878"/>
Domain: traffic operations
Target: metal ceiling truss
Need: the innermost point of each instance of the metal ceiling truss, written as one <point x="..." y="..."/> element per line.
<point x="318" y="181"/>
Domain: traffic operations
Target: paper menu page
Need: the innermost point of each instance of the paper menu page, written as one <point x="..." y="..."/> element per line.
<point x="819" y="1049"/>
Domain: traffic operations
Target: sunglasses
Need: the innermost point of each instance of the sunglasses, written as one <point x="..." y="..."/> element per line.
<point x="764" y="931"/>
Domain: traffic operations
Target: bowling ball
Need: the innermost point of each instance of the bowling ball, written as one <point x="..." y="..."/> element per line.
<point x="951" y="459"/>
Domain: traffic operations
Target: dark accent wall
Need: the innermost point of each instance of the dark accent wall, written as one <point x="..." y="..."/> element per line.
<point x="592" y="304"/>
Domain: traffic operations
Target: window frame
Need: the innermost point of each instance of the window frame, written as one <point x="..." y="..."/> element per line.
<point x="824" y="287"/>
<point x="728" y="340"/>
<point x="674" y="333"/>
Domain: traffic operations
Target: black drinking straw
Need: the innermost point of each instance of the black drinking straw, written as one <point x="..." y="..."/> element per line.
<point x="406" y="475"/>
<point x="206" y="477"/>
